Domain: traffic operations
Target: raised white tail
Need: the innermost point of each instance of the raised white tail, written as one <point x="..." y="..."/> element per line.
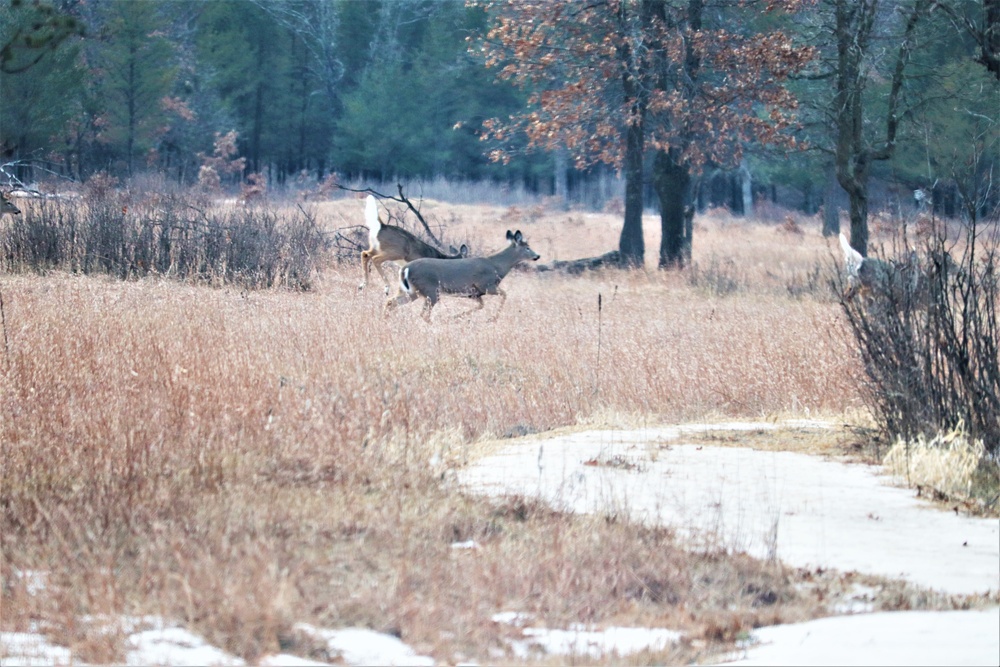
<point x="371" y="219"/>
<point x="852" y="258"/>
<point x="387" y="243"/>
<point x="470" y="277"/>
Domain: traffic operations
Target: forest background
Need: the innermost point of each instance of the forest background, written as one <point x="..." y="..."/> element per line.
<point x="398" y="90"/>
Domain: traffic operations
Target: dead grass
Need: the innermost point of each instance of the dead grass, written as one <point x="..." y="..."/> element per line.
<point x="244" y="461"/>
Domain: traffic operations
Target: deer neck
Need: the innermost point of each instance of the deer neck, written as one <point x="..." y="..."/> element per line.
<point x="505" y="260"/>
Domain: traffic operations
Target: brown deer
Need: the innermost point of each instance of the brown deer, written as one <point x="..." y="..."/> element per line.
<point x="388" y="243"/>
<point x="7" y="206"/>
<point x="472" y="277"/>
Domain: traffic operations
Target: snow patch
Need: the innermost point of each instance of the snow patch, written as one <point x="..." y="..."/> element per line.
<point x="886" y="638"/>
<point x="803" y="510"/>
<point x="27" y="649"/>
<point x="360" y="646"/>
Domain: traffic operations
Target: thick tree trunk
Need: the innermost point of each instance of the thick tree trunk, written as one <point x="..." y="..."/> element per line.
<point x="859" y="220"/>
<point x="853" y="178"/>
<point x="672" y="182"/>
<point x="854" y="28"/>
<point x="631" y="244"/>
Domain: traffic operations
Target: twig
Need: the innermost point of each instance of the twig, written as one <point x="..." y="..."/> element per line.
<point x="402" y="199"/>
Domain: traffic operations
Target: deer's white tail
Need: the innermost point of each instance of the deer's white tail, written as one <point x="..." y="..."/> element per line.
<point x="852" y="258"/>
<point x="404" y="280"/>
<point x="371" y="219"/>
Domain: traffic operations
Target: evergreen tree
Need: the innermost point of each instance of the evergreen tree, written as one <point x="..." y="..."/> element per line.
<point x="247" y="53"/>
<point x="136" y="72"/>
<point x="38" y="104"/>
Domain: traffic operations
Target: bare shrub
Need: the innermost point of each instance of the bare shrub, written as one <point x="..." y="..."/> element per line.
<point x="116" y="233"/>
<point x="930" y="346"/>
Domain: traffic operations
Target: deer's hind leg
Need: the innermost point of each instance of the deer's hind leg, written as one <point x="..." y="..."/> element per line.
<point x="377" y="261"/>
<point x="366" y="258"/>
<point x="429" y="302"/>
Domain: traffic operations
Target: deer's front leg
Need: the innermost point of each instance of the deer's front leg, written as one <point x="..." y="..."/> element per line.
<point x="479" y="306"/>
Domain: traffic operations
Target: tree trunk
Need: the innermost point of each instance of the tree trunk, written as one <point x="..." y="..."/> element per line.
<point x="746" y="181"/>
<point x="672" y="181"/>
<point x="859" y="219"/>
<point x="854" y="28"/>
<point x="561" y="159"/>
<point x="631" y="244"/>
<point x="831" y="208"/>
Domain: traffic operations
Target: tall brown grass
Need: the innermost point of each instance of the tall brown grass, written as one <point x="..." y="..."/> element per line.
<point x="243" y="460"/>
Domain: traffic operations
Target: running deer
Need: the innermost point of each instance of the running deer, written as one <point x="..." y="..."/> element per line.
<point x="472" y="277"/>
<point x="388" y="243"/>
<point x="7" y="206"/>
<point x="904" y="282"/>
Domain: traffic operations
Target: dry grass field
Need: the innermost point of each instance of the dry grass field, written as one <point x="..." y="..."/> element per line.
<point x="242" y="461"/>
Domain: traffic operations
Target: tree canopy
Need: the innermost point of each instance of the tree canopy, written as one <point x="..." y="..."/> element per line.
<point x="661" y="90"/>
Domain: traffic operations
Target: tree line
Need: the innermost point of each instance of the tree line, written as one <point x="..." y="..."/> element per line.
<point x="380" y="89"/>
<point x="819" y="97"/>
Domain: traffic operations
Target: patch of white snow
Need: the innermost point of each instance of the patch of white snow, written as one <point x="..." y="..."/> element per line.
<point x="27" y="649"/>
<point x="886" y="638"/>
<point x="360" y="646"/>
<point x="595" y="644"/>
<point x="174" y="646"/>
<point x="803" y="510"/>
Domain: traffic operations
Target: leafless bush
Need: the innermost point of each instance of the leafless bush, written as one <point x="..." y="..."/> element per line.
<point x="930" y="350"/>
<point x="173" y="235"/>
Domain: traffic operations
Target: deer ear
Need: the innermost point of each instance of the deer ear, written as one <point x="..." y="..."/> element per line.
<point x="509" y="235"/>
<point x="464" y="250"/>
<point x="517" y="236"/>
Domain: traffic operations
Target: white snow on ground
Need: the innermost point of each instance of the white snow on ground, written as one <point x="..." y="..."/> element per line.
<point x="581" y="640"/>
<point x="174" y="646"/>
<point x="287" y="660"/>
<point x="804" y="510"/>
<point x="886" y="638"/>
<point x="807" y="511"/>
<point x="154" y="641"/>
<point x="360" y="646"/>
<point x="596" y="644"/>
<point x="27" y="649"/>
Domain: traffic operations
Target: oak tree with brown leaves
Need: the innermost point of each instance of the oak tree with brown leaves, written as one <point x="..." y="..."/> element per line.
<point x="610" y="80"/>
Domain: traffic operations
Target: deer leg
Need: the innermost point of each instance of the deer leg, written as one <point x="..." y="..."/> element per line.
<point x="401" y="299"/>
<point x="426" y="312"/>
<point x="377" y="262"/>
<point x="479" y="306"/>
<point x="503" y="300"/>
